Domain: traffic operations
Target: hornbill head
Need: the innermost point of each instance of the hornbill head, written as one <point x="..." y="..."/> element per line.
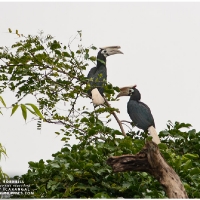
<point x="110" y="50"/>
<point x="127" y="91"/>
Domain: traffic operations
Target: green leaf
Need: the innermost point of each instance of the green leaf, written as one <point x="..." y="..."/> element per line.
<point x="149" y="138"/>
<point x="57" y="52"/>
<point x="93" y="58"/>
<point x="163" y="133"/>
<point x="2" y="101"/>
<point x="92" y="119"/>
<point x="101" y="61"/>
<point x="35" y="108"/>
<point x="30" y="110"/>
<point x="24" y="111"/>
<point x="51" y="184"/>
<point x="127" y="184"/>
<point x="66" y="54"/>
<point x="84" y="119"/>
<point x="162" y="146"/>
<point x="195" y="171"/>
<point x="64" y="139"/>
<point x="71" y="178"/>
<point x="101" y="195"/>
<point x="92" y="132"/>
<point x="187" y="165"/>
<point x="10" y="31"/>
<point x="93" y="47"/>
<point x="80" y="33"/>
<point x="86" y="56"/>
<point x="55" y="165"/>
<point x="191" y="156"/>
<point x="14" y="109"/>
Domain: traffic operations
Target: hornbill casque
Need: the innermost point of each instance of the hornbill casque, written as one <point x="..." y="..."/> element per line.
<point x="98" y="75"/>
<point x="139" y="112"/>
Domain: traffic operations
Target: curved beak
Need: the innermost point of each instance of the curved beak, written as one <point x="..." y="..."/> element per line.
<point x="124" y="91"/>
<point x="111" y="50"/>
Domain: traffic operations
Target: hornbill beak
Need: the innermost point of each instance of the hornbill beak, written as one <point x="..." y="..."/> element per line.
<point x="111" y="50"/>
<point x="125" y="91"/>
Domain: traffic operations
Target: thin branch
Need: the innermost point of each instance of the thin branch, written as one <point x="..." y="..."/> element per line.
<point x="126" y="125"/>
<point x="117" y="119"/>
<point x="54" y="122"/>
<point x="126" y="121"/>
<point x="72" y="105"/>
<point x="63" y="123"/>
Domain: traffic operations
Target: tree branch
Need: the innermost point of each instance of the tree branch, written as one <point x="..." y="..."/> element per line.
<point x="151" y="161"/>
<point x="117" y="119"/>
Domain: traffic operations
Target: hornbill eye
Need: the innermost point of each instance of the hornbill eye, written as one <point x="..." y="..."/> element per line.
<point x="105" y="53"/>
<point x="131" y="91"/>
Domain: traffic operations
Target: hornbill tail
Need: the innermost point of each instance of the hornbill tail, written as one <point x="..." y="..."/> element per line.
<point x="97" y="99"/>
<point x="153" y="133"/>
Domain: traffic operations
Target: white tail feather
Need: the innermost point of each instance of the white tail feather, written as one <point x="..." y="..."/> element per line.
<point x="154" y="134"/>
<point x="97" y="99"/>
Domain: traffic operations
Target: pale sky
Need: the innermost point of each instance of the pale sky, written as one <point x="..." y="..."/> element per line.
<point x="161" y="45"/>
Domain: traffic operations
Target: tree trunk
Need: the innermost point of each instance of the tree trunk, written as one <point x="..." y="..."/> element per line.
<point x="151" y="161"/>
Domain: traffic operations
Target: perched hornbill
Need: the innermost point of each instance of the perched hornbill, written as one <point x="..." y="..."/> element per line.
<point x="139" y="112"/>
<point x="98" y="75"/>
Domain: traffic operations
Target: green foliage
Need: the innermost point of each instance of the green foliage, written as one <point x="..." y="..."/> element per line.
<point x="54" y="74"/>
<point x="80" y="171"/>
<point x="183" y="154"/>
<point x="3" y="176"/>
<point x="24" y="108"/>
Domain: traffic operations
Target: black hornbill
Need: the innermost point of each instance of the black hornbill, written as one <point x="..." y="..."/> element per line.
<point x="139" y="112"/>
<point x="98" y="75"/>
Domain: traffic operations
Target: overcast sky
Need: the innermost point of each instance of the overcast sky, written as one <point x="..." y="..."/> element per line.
<point x="161" y="45"/>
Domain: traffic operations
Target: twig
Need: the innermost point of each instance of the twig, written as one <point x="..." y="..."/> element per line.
<point x="73" y="104"/>
<point x="126" y="121"/>
<point x="126" y="125"/>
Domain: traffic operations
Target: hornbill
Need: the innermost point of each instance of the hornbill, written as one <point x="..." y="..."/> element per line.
<point x="98" y="75"/>
<point x="139" y="112"/>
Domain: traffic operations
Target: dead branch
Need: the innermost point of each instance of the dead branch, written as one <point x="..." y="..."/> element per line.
<point x="150" y="160"/>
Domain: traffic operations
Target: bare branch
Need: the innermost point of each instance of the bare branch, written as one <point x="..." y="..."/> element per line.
<point x="117" y="119"/>
<point x="151" y="161"/>
<point x="126" y="121"/>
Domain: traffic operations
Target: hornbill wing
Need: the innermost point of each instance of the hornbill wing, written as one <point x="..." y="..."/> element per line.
<point x="98" y="77"/>
<point x="149" y="116"/>
<point x="140" y="114"/>
<point x="91" y="72"/>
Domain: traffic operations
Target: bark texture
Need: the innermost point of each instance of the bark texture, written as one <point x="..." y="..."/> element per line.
<point x="151" y="161"/>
